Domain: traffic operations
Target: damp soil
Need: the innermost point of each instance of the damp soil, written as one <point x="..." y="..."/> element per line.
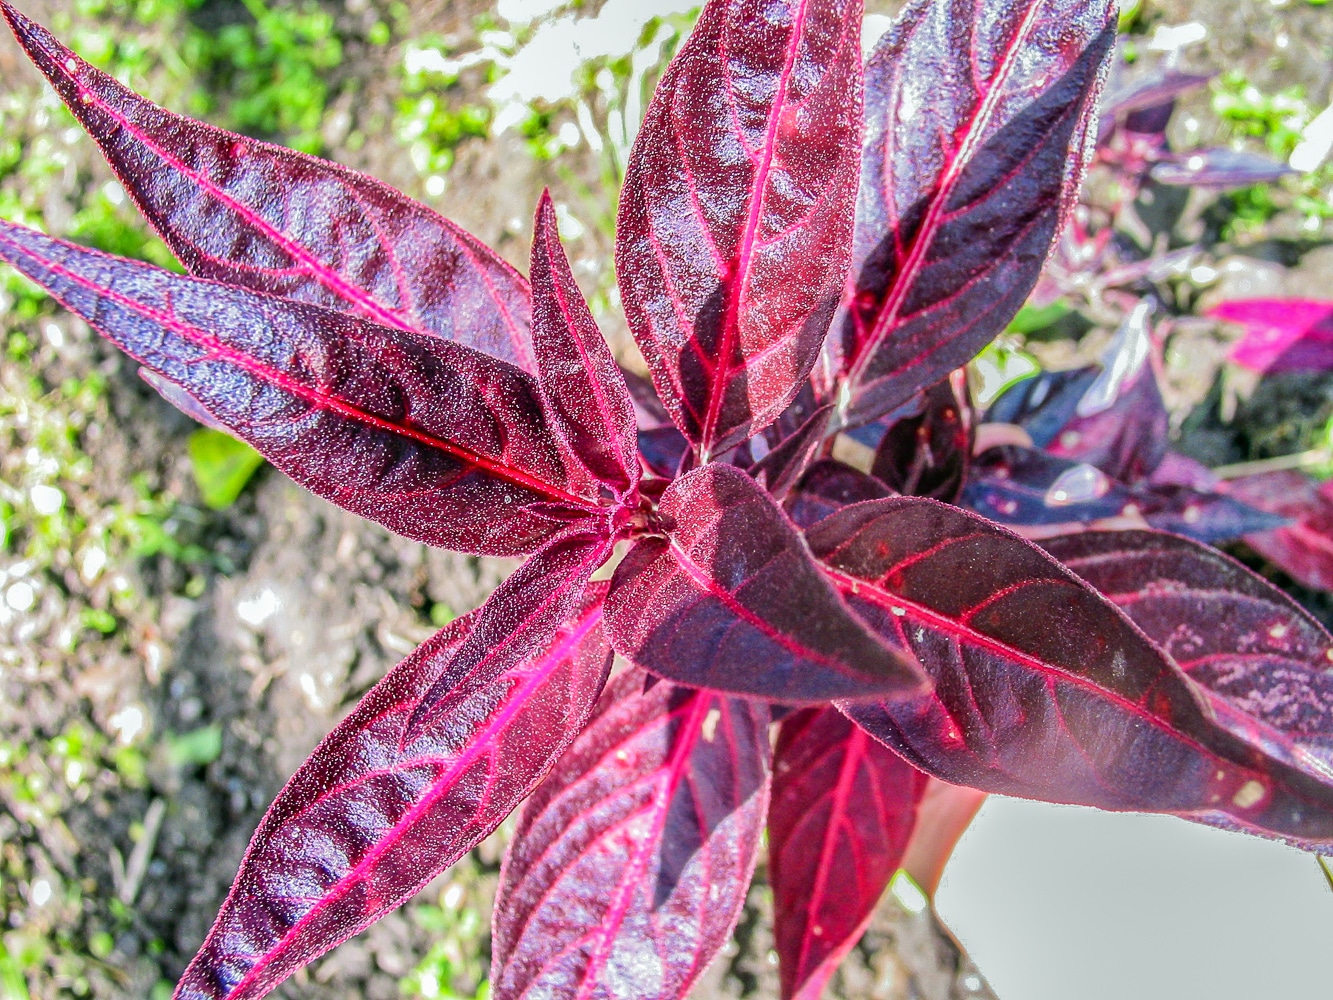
<point x="301" y="607"/>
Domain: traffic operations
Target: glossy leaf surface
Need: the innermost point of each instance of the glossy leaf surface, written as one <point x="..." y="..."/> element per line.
<point x="1219" y="168"/>
<point x="631" y="862"/>
<point x="1023" y="486"/>
<point x="1303" y="549"/>
<point x="1281" y="335"/>
<point x="1265" y="662"/>
<point x="1041" y="687"/>
<point x="1043" y="405"/>
<point x="427" y="437"/>
<point x="736" y="213"/>
<point x="730" y="599"/>
<point x="585" y="390"/>
<point x="978" y="134"/>
<point x="264" y="217"/>
<point x="842" y="814"/>
<point x="372" y="816"/>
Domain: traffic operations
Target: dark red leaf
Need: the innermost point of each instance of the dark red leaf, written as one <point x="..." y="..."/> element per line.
<point x="928" y="455"/>
<point x="257" y="215"/>
<point x="632" y="860"/>
<point x="736" y="212"/>
<point x="977" y="121"/>
<point x="1041" y="687"/>
<point x="782" y="467"/>
<point x="842" y="813"/>
<point x="1303" y="550"/>
<point x="526" y="611"/>
<point x="730" y="599"/>
<point x="1264" y="661"/>
<point x="1281" y="335"/>
<point x="372" y="816"/>
<point x="425" y="436"/>
<point x="588" y="400"/>
<point x="828" y="487"/>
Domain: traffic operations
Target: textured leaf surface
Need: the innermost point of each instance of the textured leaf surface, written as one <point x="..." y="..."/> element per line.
<point x="1304" y="549"/>
<point x="632" y="860"/>
<point x="977" y="136"/>
<point x="586" y="392"/>
<point x="928" y="455"/>
<point x="1265" y="662"/>
<point x="783" y="467"/>
<point x="373" y="816"/>
<point x="264" y="217"/>
<point x="1281" y="335"/>
<point x="736" y="213"/>
<point x="731" y="599"/>
<point x="1041" y="687"/>
<point x="842" y="813"/>
<point x="828" y="487"/>
<point x="427" y="437"/>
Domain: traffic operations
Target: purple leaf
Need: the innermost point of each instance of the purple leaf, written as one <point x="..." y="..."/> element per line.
<point x="842" y="814"/>
<point x="1265" y="663"/>
<point x="780" y="469"/>
<point x="1211" y="518"/>
<point x="977" y="140"/>
<point x="1281" y="335"/>
<point x="372" y="816"/>
<point x="632" y="860"/>
<point x="730" y="599"/>
<point x="428" y="437"/>
<point x="1043" y="405"/>
<point x="1150" y="91"/>
<point x="588" y="400"/>
<point x="1303" y="550"/>
<point x="1022" y="486"/>
<point x="828" y="487"/>
<point x="929" y="455"/>
<point x="1121" y="423"/>
<point x="1219" y="168"/>
<point x="736" y="212"/>
<point x="662" y="450"/>
<point x="1041" y="687"/>
<point x="272" y="220"/>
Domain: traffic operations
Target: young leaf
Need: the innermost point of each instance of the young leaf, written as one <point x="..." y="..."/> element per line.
<point x="1264" y="661"/>
<point x="978" y="128"/>
<point x="632" y="860"/>
<point x="1304" y="549"/>
<point x="928" y="455"/>
<point x="782" y="467"/>
<point x="269" y="219"/>
<point x="736" y="210"/>
<point x="588" y="400"/>
<point x="427" y="437"/>
<point x="372" y="816"/>
<point x="730" y="599"/>
<point x="842" y="813"/>
<point x="221" y="465"/>
<point x="1041" y="687"/>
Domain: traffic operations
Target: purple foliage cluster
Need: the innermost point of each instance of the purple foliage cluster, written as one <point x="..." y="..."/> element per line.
<point x="808" y="247"/>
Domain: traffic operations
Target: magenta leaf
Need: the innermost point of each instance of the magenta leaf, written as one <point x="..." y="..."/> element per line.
<point x="977" y="140"/>
<point x="1265" y="663"/>
<point x="729" y="598"/>
<point x="587" y="396"/>
<point x="736" y="212"/>
<point x="1041" y="687"/>
<point x="842" y="814"/>
<point x="632" y="860"/>
<point x="428" y="437"/>
<point x="1303" y="550"/>
<point x="272" y="220"/>
<point x="372" y="815"/>
<point x="928" y="455"/>
<point x="1281" y="335"/>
